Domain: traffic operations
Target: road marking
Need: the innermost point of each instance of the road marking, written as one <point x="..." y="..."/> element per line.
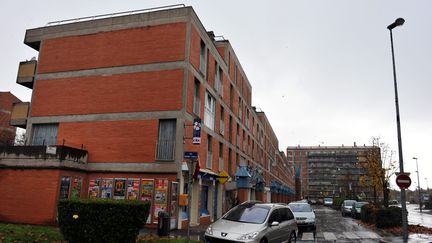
<point x="367" y="234"/>
<point x="351" y="236"/>
<point x="329" y="236"/>
<point x="307" y="236"/>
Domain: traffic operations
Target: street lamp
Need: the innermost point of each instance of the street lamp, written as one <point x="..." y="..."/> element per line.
<point x="427" y="185"/>
<point x="418" y="184"/>
<point x="399" y="22"/>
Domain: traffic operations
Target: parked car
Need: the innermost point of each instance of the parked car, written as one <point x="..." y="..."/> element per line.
<point x="313" y="201"/>
<point x="328" y="201"/>
<point x="346" y="207"/>
<point x="304" y="215"/>
<point x="356" y="209"/>
<point x="254" y="222"/>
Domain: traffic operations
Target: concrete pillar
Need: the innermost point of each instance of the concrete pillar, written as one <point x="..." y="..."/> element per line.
<point x="260" y="196"/>
<point x="243" y="194"/>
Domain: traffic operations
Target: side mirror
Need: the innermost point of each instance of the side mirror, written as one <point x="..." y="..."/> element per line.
<point x="274" y="223"/>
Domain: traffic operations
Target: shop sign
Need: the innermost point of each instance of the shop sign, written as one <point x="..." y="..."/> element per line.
<point x="196" y="135"/>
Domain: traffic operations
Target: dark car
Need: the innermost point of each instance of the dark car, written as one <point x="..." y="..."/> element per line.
<point x="356" y="209"/>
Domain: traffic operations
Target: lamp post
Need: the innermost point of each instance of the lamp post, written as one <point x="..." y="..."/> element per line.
<point x="427" y="185"/>
<point x="418" y="184"/>
<point x="399" y="22"/>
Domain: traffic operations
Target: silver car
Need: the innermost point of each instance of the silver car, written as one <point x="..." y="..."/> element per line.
<point x="254" y="222"/>
<point x="304" y="215"/>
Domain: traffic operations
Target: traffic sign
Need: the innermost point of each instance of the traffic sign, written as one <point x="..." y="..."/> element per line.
<point x="223" y="177"/>
<point x="403" y="181"/>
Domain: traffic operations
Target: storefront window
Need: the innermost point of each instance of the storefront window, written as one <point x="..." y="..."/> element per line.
<point x="204" y="201"/>
<point x="64" y="187"/>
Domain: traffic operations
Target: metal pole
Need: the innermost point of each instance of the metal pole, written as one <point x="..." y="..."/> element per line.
<point x="418" y="184"/>
<point x="191" y="168"/>
<point x="401" y="165"/>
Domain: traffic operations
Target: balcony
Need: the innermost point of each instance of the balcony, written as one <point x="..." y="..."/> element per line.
<point x="26" y="73"/>
<point x="55" y="156"/>
<point x="19" y="114"/>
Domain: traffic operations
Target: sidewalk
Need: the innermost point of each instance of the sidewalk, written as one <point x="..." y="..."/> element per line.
<point x="195" y="232"/>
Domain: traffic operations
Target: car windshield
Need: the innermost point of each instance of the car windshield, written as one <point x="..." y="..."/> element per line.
<point x="300" y="207"/>
<point x="359" y="205"/>
<point x="349" y="203"/>
<point x="248" y="214"/>
<point x="328" y="200"/>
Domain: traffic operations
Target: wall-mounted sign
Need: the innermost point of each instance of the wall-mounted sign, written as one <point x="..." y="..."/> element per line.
<point x="196" y="136"/>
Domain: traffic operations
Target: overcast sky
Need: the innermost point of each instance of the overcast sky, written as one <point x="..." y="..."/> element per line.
<point x="320" y="70"/>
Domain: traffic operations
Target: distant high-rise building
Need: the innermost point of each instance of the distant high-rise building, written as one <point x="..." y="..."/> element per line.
<point x="334" y="171"/>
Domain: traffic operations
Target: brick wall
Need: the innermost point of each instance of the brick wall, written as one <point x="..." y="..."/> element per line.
<point x="133" y="92"/>
<point x="113" y="141"/>
<point x="28" y="196"/>
<point x="151" y="44"/>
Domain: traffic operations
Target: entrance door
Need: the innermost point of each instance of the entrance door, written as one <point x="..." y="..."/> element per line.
<point x="174" y="205"/>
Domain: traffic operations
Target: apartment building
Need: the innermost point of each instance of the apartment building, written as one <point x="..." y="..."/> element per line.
<point x="7" y="132"/>
<point x="116" y="105"/>
<point x="332" y="171"/>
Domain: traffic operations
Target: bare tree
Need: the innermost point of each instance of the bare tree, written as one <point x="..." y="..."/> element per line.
<point x="380" y="167"/>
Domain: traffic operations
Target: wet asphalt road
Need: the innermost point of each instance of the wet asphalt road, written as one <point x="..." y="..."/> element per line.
<point x="332" y="227"/>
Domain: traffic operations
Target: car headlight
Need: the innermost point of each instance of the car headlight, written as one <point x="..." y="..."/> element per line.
<point x="209" y="230"/>
<point x="249" y="236"/>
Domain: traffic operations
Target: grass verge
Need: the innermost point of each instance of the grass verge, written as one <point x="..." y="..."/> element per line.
<point x="29" y="233"/>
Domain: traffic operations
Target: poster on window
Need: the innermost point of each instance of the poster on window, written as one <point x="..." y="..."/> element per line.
<point x="147" y="188"/>
<point x="76" y="187"/>
<point x="133" y="186"/>
<point x="64" y="187"/>
<point x="94" y="188"/>
<point x="119" y="188"/>
<point x="106" y="188"/>
<point x="160" y="197"/>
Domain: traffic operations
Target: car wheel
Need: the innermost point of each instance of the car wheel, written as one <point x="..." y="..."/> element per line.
<point x="292" y="238"/>
<point x="343" y="215"/>
<point x="263" y="240"/>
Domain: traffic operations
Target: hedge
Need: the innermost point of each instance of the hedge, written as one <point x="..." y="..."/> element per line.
<point x="368" y="213"/>
<point x="389" y="217"/>
<point x="101" y="220"/>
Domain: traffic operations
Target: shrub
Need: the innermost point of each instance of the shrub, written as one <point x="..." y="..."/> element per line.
<point x="389" y="217"/>
<point x="101" y="220"/>
<point x="368" y="213"/>
<point x="337" y="202"/>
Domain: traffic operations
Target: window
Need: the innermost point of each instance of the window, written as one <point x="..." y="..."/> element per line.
<point x="197" y="99"/>
<point x="240" y="108"/>
<point x="64" y="187"/>
<point x="222" y="123"/>
<point x="229" y="161"/>
<point x="44" y="134"/>
<point x="166" y="140"/>
<point x="209" y="152"/>
<point x="221" y="161"/>
<point x="209" y="111"/>
<point x="235" y="74"/>
<point x="203" y="58"/>
<point x="274" y="216"/>
<point x="218" y="80"/>
<point x="231" y="96"/>
<point x="204" y="201"/>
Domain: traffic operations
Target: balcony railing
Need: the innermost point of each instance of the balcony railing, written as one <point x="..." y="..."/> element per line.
<point x="19" y="114"/>
<point x="58" y="153"/>
<point x="26" y="73"/>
